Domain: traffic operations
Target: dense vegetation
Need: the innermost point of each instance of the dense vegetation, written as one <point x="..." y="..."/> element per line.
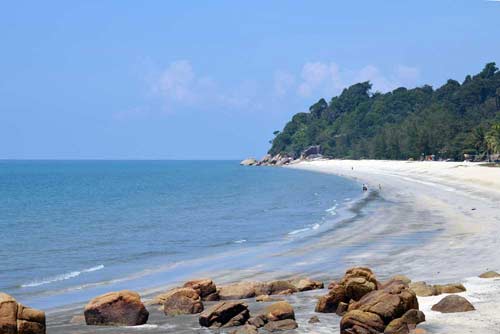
<point x="453" y="120"/>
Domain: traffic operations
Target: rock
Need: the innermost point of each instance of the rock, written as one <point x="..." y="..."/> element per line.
<point x="406" y="323"/>
<point x="332" y="284"/>
<point x="360" y="322"/>
<point x="279" y="311"/>
<point x="267" y="298"/>
<point x="247" y="329"/>
<point x="489" y="274"/>
<point x="241" y="290"/>
<point x="330" y="302"/>
<point x="452" y="304"/>
<point x="281" y="325"/>
<point x="342" y="309"/>
<point x="311" y="150"/>
<point x="356" y="283"/>
<point x="314" y="320"/>
<point x="248" y="162"/>
<point x="122" y="308"/>
<point x="307" y="284"/>
<point x="16" y="318"/>
<point x="225" y="314"/>
<point x="449" y="288"/>
<point x="258" y="321"/>
<point x="205" y="287"/>
<point x="401" y="278"/>
<point x="281" y="288"/>
<point x="389" y="303"/>
<point x="418" y="331"/>
<point x="8" y="314"/>
<point x="181" y="301"/>
<point x="422" y="289"/>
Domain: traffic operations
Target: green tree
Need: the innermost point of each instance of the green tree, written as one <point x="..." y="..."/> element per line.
<point x="493" y="138"/>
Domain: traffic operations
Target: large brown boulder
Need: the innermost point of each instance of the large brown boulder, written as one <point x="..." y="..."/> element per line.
<point x="406" y="323"/>
<point x="281" y="288"/>
<point x="452" y="304"/>
<point x="225" y="314"/>
<point x="356" y="283"/>
<point x="205" y="287"/>
<point x="279" y="311"/>
<point x="122" y="308"/>
<point x="180" y="301"/>
<point x="389" y="303"/>
<point x="360" y="322"/>
<point x="16" y="318"/>
<point x="281" y="325"/>
<point x="241" y="290"/>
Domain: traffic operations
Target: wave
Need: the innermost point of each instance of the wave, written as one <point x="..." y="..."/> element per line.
<point x="61" y="277"/>
<point x="239" y="241"/>
<point x="332" y="210"/>
<point x="299" y="231"/>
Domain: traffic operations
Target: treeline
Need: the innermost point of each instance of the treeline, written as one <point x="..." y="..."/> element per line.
<point x="453" y="120"/>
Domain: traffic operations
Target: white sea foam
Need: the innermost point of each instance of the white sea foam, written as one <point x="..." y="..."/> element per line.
<point x="299" y="231"/>
<point x="332" y="210"/>
<point x="316" y="226"/>
<point x="61" y="277"/>
<point x="240" y="241"/>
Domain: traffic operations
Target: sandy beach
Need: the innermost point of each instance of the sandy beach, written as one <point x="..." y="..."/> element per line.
<point x="460" y="198"/>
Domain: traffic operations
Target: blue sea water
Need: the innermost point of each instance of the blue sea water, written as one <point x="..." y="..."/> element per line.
<point x="72" y="229"/>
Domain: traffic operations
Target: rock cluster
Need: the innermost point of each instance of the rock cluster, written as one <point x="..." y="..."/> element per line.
<point x="392" y="308"/>
<point x="423" y="289"/>
<point x="16" y="318"/>
<point x="122" y="308"/>
<point x="245" y="290"/>
<point x="280" y="159"/>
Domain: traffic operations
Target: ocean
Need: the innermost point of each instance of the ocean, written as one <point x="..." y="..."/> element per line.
<point x="71" y="230"/>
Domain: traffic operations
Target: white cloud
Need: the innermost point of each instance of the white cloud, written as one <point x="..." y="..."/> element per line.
<point x="318" y="76"/>
<point x="283" y="82"/>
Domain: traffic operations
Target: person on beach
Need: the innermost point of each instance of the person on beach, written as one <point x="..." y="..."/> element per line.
<point x="365" y="188"/>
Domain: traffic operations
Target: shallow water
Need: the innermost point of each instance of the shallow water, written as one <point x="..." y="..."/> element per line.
<point x="75" y="229"/>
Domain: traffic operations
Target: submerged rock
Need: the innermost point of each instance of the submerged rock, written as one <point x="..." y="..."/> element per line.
<point x="16" y="318"/>
<point x="122" y="308"/>
<point x="314" y="320"/>
<point x="225" y="314"/>
<point x="267" y="298"/>
<point x="452" y="304"/>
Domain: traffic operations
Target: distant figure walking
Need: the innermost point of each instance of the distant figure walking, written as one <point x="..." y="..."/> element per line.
<point x="365" y="188"/>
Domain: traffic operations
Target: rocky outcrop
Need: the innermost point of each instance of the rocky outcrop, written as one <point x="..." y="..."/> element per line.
<point x="489" y="274"/>
<point x="225" y="314"/>
<point x="16" y="318"/>
<point x="205" y="287"/>
<point x="391" y="309"/>
<point x="122" y="308"/>
<point x="311" y="152"/>
<point x="248" y="162"/>
<point x="180" y="301"/>
<point x="452" y="304"/>
<point x="356" y="283"/>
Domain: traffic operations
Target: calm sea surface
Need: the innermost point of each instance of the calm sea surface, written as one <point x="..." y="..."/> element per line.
<point x="71" y="229"/>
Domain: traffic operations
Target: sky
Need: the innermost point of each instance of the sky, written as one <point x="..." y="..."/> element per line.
<point x="213" y="79"/>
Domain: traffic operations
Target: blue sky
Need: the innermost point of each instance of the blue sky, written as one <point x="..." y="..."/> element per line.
<point x="212" y="79"/>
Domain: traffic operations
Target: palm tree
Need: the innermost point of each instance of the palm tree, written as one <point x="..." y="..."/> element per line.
<point x="493" y="138"/>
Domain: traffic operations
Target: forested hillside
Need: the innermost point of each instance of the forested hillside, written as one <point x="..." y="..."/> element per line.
<point x="454" y="119"/>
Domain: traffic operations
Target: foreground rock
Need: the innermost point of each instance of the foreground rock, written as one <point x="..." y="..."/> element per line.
<point x="452" y="304"/>
<point x="392" y="309"/>
<point x="356" y="283"/>
<point x="225" y="314"/>
<point x="16" y="318"/>
<point x="205" y="287"/>
<point x="180" y="301"/>
<point x="489" y="274"/>
<point x="279" y="311"/>
<point x="122" y="308"/>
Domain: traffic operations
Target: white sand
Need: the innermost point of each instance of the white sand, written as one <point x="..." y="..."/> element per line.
<point x="463" y="200"/>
